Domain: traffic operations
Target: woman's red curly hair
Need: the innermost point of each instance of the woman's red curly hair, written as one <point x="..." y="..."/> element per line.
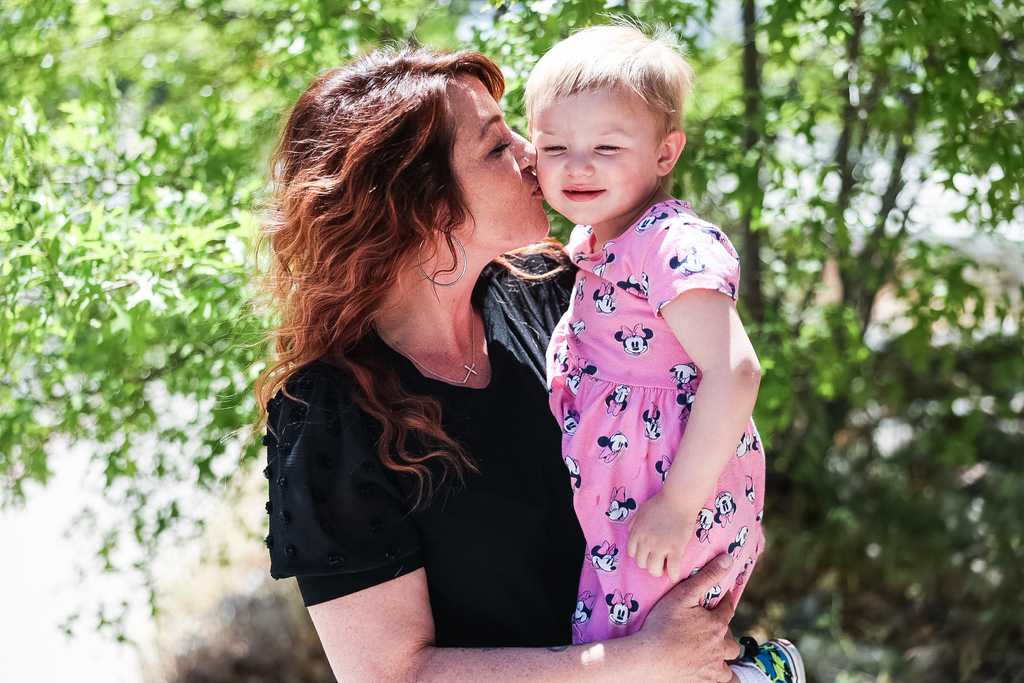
<point x="362" y="177"/>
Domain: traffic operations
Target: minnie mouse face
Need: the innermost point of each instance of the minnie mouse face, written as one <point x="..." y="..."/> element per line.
<point x="725" y="508"/>
<point x="705" y="522"/>
<point x="748" y="443"/>
<point x="638" y="286"/>
<point x="584" y="608"/>
<point x="571" y="422"/>
<point x="685" y="400"/>
<point x="578" y="327"/>
<point x="575" y="377"/>
<point x="606" y="261"/>
<point x="604" y="557"/>
<point x="662" y="467"/>
<point x="580" y="286"/>
<point x="652" y="423"/>
<point x="690" y="263"/>
<point x="620" y="505"/>
<point x="749" y="488"/>
<point x="684" y="374"/>
<point x="561" y="357"/>
<point x="741" y="540"/>
<point x="617" y="400"/>
<point x="648" y="223"/>
<point x="620" y="607"/>
<point x="574" y="471"/>
<point x="604" y="299"/>
<point x="612" y="446"/>
<point x="635" y="340"/>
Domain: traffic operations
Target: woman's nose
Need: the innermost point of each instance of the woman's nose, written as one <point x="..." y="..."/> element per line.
<point x="526" y="154"/>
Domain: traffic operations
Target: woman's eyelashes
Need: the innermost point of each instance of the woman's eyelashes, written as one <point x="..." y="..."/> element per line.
<point x="497" y="151"/>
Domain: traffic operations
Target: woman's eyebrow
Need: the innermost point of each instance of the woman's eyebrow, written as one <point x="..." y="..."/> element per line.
<point x="490" y="122"/>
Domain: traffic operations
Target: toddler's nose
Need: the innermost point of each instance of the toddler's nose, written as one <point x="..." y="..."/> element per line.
<point x="579" y="166"/>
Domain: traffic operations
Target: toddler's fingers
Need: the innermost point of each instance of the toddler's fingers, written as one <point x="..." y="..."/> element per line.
<point x="642" y="557"/>
<point x="656" y="564"/>
<point x="631" y="545"/>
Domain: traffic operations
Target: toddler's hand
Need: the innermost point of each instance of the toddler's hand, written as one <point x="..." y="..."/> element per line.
<point x="658" y="534"/>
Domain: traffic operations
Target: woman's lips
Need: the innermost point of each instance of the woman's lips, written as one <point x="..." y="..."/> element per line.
<point x="537" y="192"/>
<point x="582" y="195"/>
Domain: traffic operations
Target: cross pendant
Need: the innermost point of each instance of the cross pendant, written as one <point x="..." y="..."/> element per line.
<point x="470" y="370"/>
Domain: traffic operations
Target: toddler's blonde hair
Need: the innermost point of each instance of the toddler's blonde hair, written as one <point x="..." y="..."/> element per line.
<point x="620" y="56"/>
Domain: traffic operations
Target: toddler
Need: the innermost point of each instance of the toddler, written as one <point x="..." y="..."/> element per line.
<point x="650" y="372"/>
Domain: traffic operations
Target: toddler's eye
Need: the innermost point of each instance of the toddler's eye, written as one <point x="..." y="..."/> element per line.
<point x="608" y="148"/>
<point x="553" y="149"/>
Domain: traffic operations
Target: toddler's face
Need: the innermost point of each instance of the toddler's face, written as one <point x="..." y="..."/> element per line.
<point x="598" y="157"/>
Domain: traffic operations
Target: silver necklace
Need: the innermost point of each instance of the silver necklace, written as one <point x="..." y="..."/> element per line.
<point x="470" y="368"/>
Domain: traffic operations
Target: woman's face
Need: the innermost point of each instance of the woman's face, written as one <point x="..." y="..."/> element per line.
<point x="495" y="170"/>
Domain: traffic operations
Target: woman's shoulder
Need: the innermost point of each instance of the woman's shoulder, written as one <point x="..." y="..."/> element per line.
<point x="541" y="274"/>
<point x="316" y="390"/>
<point x="333" y="507"/>
<point x="310" y="378"/>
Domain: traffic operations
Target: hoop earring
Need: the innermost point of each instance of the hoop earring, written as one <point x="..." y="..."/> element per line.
<point x="465" y="266"/>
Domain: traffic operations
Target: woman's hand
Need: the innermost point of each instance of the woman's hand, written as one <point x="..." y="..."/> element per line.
<point x="658" y="534"/>
<point x="682" y="641"/>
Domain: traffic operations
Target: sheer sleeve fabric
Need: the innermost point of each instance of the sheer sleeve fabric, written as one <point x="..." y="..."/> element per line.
<point x="337" y="518"/>
<point x="522" y="313"/>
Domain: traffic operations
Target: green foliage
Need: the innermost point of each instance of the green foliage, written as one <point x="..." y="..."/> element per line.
<point x="834" y="148"/>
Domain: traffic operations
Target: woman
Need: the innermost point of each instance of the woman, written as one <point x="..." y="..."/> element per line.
<point x="416" y="486"/>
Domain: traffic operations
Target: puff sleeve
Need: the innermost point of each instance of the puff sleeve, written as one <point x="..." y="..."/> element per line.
<point x="337" y="518"/>
<point x="689" y="253"/>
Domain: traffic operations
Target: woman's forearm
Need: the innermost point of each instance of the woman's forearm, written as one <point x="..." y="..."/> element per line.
<point x="604" y="661"/>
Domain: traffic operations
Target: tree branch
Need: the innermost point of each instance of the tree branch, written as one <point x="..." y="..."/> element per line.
<point x="842" y="153"/>
<point x="751" y="283"/>
<point x="879" y="255"/>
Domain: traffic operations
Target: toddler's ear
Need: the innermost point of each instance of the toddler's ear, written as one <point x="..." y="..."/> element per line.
<point x="669" y="150"/>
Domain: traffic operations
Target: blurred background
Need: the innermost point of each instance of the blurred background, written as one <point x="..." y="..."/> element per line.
<point x="865" y="156"/>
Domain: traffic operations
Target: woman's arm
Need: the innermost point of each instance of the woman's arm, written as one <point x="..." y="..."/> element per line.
<point x="385" y="633"/>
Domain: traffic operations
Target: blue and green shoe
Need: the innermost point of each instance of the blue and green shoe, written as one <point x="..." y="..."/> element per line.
<point x="778" y="660"/>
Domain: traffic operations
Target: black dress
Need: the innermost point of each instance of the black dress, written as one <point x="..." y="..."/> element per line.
<point x="503" y="552"/>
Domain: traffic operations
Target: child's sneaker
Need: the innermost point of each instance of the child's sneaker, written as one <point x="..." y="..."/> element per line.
<point x="775" y="661"/>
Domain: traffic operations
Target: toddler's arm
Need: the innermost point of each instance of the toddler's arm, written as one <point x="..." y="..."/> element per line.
<point x="708" y="327"/>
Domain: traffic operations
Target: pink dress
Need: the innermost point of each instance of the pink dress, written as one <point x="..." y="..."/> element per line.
<point x="622" y="387"/>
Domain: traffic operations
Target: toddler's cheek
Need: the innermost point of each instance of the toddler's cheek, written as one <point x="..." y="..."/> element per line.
<point x="546" y="173"/>
<point x="547" y="176"/>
